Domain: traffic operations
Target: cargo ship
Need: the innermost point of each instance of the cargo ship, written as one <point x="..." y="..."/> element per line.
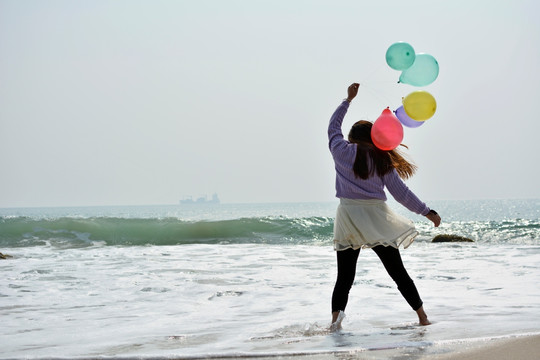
<point x="200" y="200"/>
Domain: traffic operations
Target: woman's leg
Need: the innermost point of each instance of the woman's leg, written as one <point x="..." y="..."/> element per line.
<point x="346" y="270"/>
<point x="393" y="264"/>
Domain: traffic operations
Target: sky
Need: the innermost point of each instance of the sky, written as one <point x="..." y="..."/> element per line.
<point x="131" y="102"/>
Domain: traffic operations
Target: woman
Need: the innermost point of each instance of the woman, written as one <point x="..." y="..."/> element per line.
<point x="363" y="219"/>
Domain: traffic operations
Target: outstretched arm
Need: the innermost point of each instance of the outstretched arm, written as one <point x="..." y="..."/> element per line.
<point x="407" y="198"/>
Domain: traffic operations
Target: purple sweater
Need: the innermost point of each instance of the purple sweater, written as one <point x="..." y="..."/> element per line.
<point x="350" y="187"/>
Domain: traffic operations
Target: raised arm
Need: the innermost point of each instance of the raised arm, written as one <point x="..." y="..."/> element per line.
<point x="335" y="135"/>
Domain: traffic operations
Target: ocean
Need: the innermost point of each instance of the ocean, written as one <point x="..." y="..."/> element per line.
<point x="255" y="280"/>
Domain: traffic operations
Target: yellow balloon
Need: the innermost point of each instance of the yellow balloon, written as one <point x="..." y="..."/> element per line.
<point x="420" y="105"/>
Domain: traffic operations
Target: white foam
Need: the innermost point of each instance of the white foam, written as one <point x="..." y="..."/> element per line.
<point x="223" y="297"/>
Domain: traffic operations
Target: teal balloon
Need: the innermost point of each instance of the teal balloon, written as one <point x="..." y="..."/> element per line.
<point x="400" y="56"/>
<point x="423" y="71"/>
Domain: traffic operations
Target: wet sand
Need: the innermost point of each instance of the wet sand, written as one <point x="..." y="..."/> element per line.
<point x="515" y="348"/>
<point x="519" y="348"/>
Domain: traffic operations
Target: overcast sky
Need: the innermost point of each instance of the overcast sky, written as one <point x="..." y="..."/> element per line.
<point x="145" y="102"/>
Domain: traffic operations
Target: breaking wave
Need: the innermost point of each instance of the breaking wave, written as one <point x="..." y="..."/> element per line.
<point x="79" y="232"/>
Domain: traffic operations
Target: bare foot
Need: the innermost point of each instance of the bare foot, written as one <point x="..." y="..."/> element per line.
<point x="422" y="317"/>
<point x="337" y="318"/>
<point x="335" y="315"/>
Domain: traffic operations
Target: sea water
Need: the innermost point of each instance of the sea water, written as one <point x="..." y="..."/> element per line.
<point x="251" y="280"/>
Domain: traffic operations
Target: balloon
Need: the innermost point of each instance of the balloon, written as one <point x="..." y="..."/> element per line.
<point x="420" y="105"/>
<point x="423" y="71"/>
<point x="400" y="56"/>
<point x="405" y="119"/>
<point x="387" y="132"/>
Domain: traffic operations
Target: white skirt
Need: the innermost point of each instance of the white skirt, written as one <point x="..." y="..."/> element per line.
<point x="368" y="223"/>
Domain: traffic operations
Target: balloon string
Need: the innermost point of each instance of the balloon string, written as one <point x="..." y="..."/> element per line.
<point x="382" y="99"/>
<point x="383" y="81"/>
<point x="377" y="69"/>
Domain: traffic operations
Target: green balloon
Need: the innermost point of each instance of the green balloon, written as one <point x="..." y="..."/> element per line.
<point x="400" y="56"/>
<point x="423" y="72"/>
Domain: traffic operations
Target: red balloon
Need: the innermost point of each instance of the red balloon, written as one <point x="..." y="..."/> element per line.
<point x="387" y="131"/>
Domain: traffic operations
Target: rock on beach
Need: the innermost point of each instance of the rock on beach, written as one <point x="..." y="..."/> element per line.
<point x="450" y="238"/>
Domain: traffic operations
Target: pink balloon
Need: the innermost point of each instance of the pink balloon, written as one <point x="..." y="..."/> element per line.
<point x="405" y="119"/>
<point x="387" y="131"/>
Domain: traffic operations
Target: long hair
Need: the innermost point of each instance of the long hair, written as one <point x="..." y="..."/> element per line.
<point x="382" y="161"/>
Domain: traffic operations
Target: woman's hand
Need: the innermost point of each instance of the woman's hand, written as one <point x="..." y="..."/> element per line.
<point x="434" y="217"/>
<point x="352" y="91"/>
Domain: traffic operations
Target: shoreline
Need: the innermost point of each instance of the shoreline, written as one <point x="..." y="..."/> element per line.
<point x="518" y="347"/>
<point x="521" y="347"/>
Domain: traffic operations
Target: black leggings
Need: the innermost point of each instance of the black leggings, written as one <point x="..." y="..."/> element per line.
<point x="391" y="259"/>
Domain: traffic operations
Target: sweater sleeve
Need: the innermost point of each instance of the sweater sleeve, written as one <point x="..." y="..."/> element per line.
<point x="403" y="194"/>
<point x="335" y="135"/>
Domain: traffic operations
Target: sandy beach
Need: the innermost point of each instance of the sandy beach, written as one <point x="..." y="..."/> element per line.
<point x="516" y="348"/>
<point x="520" y="348"/>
